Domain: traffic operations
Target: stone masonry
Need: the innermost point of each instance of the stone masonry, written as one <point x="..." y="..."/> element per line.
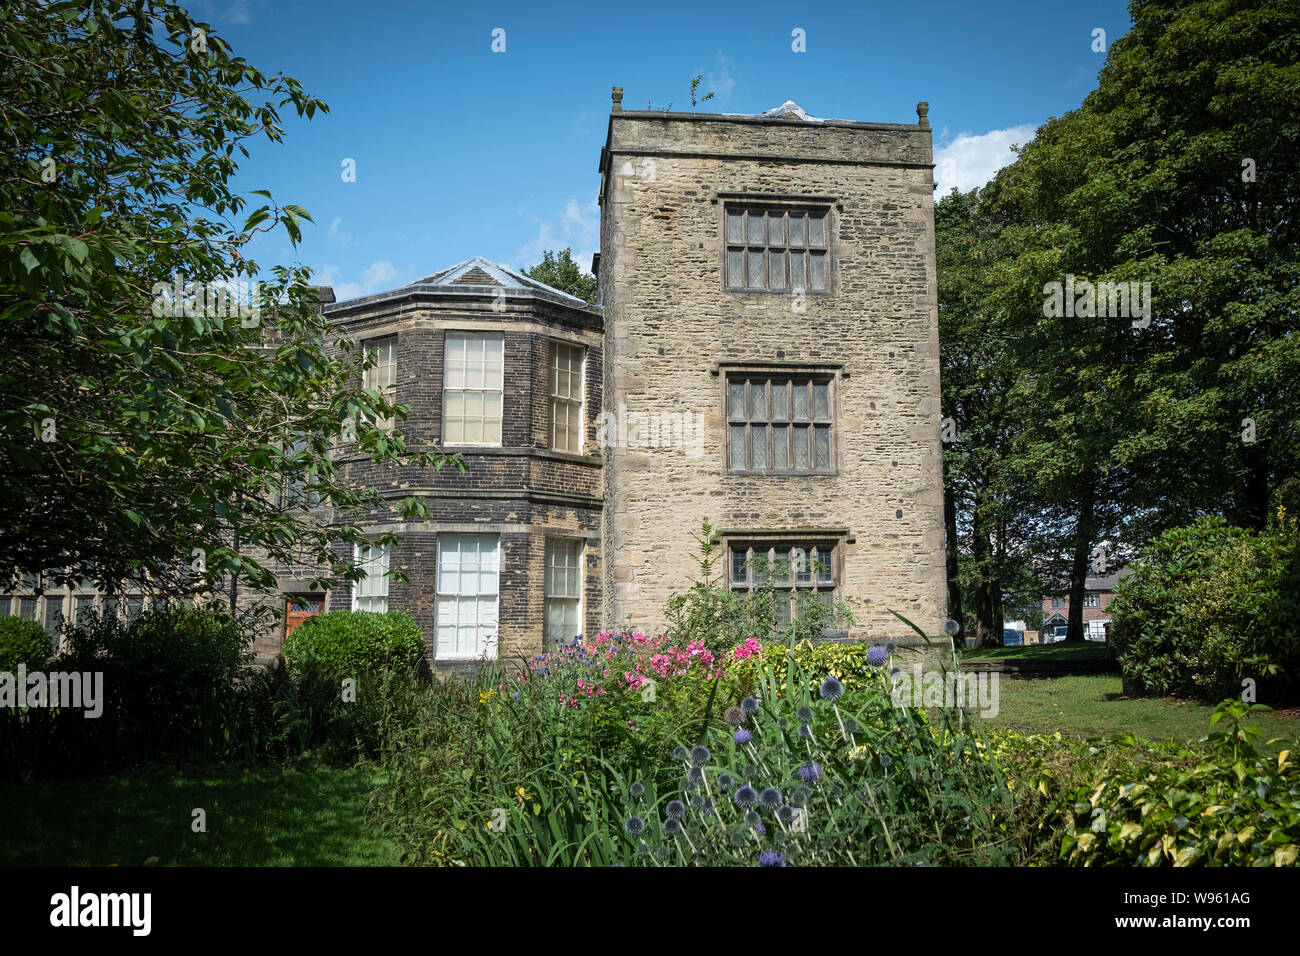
<point x="674" y="332"/>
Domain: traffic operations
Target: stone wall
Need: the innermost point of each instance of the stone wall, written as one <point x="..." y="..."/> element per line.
<point x="671" y="324"/>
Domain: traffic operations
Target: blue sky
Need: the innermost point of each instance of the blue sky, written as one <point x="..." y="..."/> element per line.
<point x="461" y="151"/>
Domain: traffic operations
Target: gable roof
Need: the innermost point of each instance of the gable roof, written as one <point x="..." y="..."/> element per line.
<point x="790" y="110"/>
<point x="1106" y="582"/>
<point x="476" y="276"/>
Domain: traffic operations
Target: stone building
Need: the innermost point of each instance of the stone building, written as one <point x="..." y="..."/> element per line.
<point x="765" y="357"/>
<point x="774" y="276"/>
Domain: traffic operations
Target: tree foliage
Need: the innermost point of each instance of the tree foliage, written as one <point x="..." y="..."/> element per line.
<point x="1180" y="171"/>
<point x="145" y="434"/>
<point x="559" y="271"/>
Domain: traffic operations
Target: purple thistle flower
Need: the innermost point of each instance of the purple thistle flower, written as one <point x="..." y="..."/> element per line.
<point x="770" y="858"/>
<point x="877" y="655"/>
<point x="832" y="689"/>
<point x="742" y="736"/>
<point x="810" y="772"/>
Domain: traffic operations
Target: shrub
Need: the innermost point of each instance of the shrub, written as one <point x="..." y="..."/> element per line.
<point x="22" y="641"/>
<point x="1048" y="773"/>
<point x="356" y="642"/>
<point x="287" y="715"/>
<point x="168" y="687"/>
<point x="845" y="662"/>
<point x="1235" y="807"/>
<point x="1210" y="605"/>
<point x="169" y="677"/>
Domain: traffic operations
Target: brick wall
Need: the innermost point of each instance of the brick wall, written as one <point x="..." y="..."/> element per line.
<point x="521" y="491"/>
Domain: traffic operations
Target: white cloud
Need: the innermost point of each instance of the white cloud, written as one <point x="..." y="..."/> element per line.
<point x="377" y="277"/>
<point x="239" y="11"/>
<point x="972" y="160"/>
<point x="577" y="227"/>
<point x="344" y="238"/>
<point x="719" y="80"/>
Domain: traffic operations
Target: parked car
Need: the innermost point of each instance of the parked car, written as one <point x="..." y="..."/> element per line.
<point x="1012" y="638"/>
<point x="1057" y="634"/>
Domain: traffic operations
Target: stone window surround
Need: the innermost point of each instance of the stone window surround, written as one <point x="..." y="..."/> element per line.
<point x="788" y="201"/>
<point x="833" y="372"/>
<point x="836" y="539"/>
<point x="63" y="600"/>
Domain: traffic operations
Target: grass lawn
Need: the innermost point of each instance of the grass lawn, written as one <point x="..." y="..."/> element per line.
<point x="263" y="817"/>
<point x="1088" y="652"/>
<point x="1090" y="707"/>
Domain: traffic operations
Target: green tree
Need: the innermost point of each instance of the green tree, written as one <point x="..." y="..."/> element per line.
<point x="1179" y="171"/>
<point x="145" y="433"/>
<point x="990" y="513"/>
<point x="559" y="271"/>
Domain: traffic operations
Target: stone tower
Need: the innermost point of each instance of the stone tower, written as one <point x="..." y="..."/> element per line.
<point x="771" y="361"/>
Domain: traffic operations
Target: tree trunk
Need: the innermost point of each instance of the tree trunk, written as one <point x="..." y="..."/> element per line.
<point x="1080" y="564"/>
<point x="234" y="578"/>
<point x="950" y="557"/>
<point x="982" y="552"/>
<point x="1253" y="512"/>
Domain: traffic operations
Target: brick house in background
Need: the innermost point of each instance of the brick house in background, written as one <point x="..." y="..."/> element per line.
<point x="1099" y="591"/>
<point x="765" y="356"/>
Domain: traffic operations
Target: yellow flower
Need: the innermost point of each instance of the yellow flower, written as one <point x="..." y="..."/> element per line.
<point x="520" y="794"/>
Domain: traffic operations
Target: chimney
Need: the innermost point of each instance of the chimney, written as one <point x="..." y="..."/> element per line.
<point x="324" y="294"/>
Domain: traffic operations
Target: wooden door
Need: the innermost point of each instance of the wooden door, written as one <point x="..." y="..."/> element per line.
<point x="295" y="612"/>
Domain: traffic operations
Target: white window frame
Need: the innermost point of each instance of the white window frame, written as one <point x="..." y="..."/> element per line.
<point x="457" y="381"/>
<point x="452" y="607"/>
<point x="382" y="377"/>
<point x="372" y="590"/>
<point x="572" y="406"/>
<point x="571" y="596"/>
